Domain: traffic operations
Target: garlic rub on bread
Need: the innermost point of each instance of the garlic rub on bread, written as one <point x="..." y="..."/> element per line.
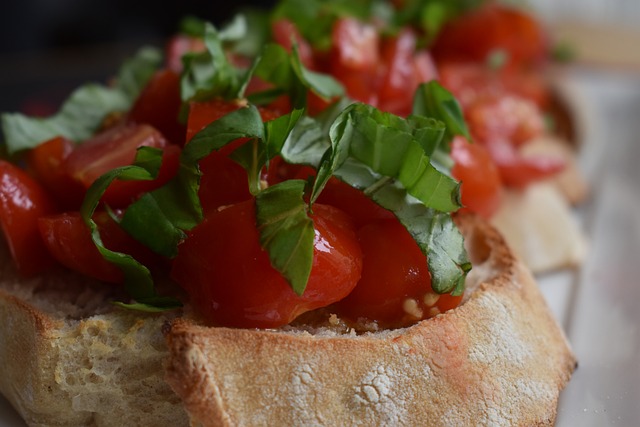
<point x="498" y="359"/>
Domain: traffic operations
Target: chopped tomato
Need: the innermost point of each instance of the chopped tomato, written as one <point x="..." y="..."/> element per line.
<point x="399" y="81"/>
<point x="505" y="117"/>
<point x="45" y="163"/>
<point x="22" y="202"/>
<point x="117" y="147"/>
<point x="223" y="181"/>
<point x="481" y="185"/>
<point x="159" y="105"/>
<point x="382" y="72"/>
<point x="395" y="287"/>
<point x="491" y="28"/>
<point x="230" y="278"/>
<point x="519" y="171"/>
<point x="68" y="239"/>
<point x="471" y="81"/>
<point x="355" y="58"/>
<point x="341" y="195"/>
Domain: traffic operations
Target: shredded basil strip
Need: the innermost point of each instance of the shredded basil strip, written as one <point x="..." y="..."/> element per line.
<point x="85" y="109"/>
<point x="137" y="278"/>
<point x="434" y="232"/>
<point x="286" y="231"/>
<point x="175" y="207"/>
<point x="394" y="147"/>
<point x="433" y="100"/>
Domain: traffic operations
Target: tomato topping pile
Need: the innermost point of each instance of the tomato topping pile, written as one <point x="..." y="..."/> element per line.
<point x="265" y="197"/>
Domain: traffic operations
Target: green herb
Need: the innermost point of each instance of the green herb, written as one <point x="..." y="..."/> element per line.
<point x="84" y="111"/>
<point x="289" y="76"/>
<point x="433" y="100"/>
<point x="176" y="207"/>
<point x="209" y="74"/>
<point x="286" y="231"/>
<point x="393" y="147"/>
<point x="137" y="278"/>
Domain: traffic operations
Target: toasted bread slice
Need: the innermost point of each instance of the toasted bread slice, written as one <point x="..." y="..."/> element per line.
<point x="498" y="359"/>
<point x="70" y="358"/>
<point x="538" y="224"/>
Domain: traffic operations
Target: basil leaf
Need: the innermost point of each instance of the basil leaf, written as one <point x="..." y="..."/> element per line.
<point x="434" y="232"/>
<point x="306" y="144"/>
<point x="288" y="75"/>
<point x="286" y="231"/>
<point x="137" y="278"/>
<point x="324" y="85"/>
<point x="393" y="147"/>
<point x="433" y="100"/>
<point x="85" y="109"/>
<point x="176" y="207"/>
<point x="209" y="74"/>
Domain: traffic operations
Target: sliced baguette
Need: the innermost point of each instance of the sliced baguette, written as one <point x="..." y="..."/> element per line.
<point x="69" y="358"/>
<point x="499" y="359"/>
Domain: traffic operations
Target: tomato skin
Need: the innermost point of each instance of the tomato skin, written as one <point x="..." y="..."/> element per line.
<point x="223" y="182"/>
<point x="518" y="171"/>
<point x="68" y="239"/>
<point x="491" y="27"/>
<point x="22" y="202"/>
<point x="505" y="117"/>
<point x="354" y="58"/>
<point x="230" y="278"/>
<point x="481" y="183"/>
<point x="341" y="195"/>
<point x="122" y="193"/>
<point x="113" y="148"/>
<point x="159" y="105"/>
<point x="394" y="270"/>
<point x="45" y="161"/>
<point x="405" y="68"/>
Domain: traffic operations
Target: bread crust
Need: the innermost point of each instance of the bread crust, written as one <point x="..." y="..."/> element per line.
<point x="498" y="359"/>
<point x="69" y="359"/>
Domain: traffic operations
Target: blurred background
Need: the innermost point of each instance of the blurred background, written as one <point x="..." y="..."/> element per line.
<point x="48" y="47"/>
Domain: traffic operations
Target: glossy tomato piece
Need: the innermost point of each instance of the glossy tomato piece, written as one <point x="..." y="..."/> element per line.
<point x="404" y="68"/>
<point x="341" y="195"/>
<point x="355" y="57"/>
<point x="481" y="183"/>
<point x="395" y="287"/>
<point x="505" y="117"/>
<point x="519" y="171"/>
<point x="231" y="281"/>
<point x="223" y="181"/>
<point x="159" y="106"/>
<point x="68" y="239"/>
<point x="285" y="33"/>
<point x="22" y="202"/>
<point x="490" y="28"/>
<point x="117" y="147"/>
<point x="45" y="163"/>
